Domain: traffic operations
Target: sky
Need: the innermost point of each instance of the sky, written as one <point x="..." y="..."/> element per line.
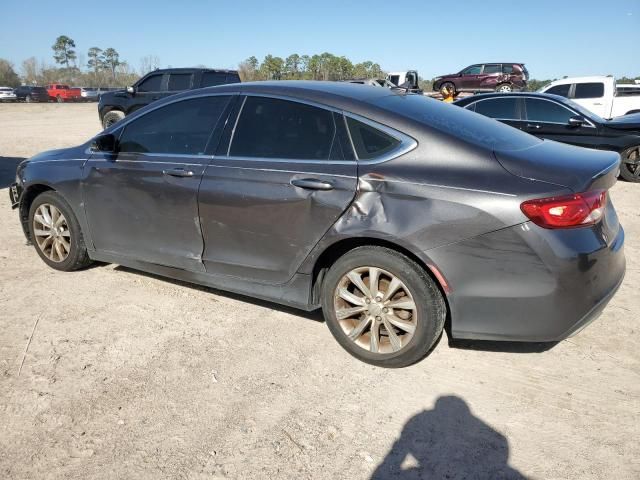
<point x="553" y="38"/>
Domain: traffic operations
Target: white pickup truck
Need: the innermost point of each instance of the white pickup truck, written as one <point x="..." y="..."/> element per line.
<point x="597" y="94"/>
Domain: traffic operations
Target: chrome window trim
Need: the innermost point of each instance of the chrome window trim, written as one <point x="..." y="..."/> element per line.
<point x="590" y="124"/>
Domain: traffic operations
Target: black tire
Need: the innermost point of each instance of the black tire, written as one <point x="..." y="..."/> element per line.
<point x="504" y="88"/>
<point x="429" y="304"/>
<point x="77" y="257"/>
<point x="449" y="85"/>
<point x="59" y="99"/>
<point x="630" y="164"/>
<point x="112" y="117"/>
<point x="28" y="99"/>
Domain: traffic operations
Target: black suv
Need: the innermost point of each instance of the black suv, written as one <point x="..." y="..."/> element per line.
<point x="158" y="84"/>
<point x="27" y="93"/>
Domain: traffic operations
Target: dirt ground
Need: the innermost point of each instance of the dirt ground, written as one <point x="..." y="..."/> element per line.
<point x="133" y="376"/>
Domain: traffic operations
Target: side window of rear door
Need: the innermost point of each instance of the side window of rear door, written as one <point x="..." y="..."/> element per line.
<point x="179" y="81"/>
<point x="152" y="83"/>
<point x="589" y="90"/>
<point x="499" y="108"/>
<point x="282" y="129"/>
<point x="546" y="111"/>
<point x="211" y="79"/>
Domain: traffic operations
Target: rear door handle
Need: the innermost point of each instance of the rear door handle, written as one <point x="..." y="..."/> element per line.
<point x="178" y="172"/>
<point x="534" y="126"/>
<point x="311" y="184"/>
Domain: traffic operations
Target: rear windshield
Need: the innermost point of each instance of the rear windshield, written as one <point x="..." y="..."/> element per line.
<point x="458" y="122"/>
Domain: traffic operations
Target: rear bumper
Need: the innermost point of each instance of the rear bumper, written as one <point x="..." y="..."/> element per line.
<point x="526" y="283"/>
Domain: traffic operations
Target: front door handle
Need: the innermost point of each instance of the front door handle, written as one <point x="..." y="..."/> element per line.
<point x="534" y="126"/>
<point x="311" y="184"/>
<point x="178" y="172"/>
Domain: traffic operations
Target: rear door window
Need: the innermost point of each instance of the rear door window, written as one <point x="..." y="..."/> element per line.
<point x="211" y="79"/>
<point x="540" y="110"/>
<point x="369" y="142"/>
<point x="492" y="68"/>
<point x="589" y="90"/>
<point x="562" y="90"/>
<point x="179" y="81"/>
<point x="180" y="128"/>
<point x="499" y="108"/>
<point x="275" y="128"/>
<point x="151" y="84"/>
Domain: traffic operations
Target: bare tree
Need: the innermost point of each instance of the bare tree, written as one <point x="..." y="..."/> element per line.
<point x="149" y="63"/>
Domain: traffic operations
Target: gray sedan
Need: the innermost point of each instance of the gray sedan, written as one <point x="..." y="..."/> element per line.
<point x="394" y="213"/>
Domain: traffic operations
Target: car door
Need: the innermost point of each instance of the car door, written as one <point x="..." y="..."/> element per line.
<point x="549" y="119"/>
<point x="152" y="88"/>
<point x="491" y="74"/>
<point x="591" y="96"/>
<point x="141" y="202"/>
<point x="274" y="188"/>
<point x="469" y="79"/>
<point x="506" y="109"/>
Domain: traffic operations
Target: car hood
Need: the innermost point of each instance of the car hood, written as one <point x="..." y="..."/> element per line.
<point x="579" y="169"/>
<point x="70" y="153"/>
<point x="626" y="122"/>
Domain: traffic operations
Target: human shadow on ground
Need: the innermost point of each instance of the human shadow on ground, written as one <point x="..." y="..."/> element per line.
<point x="8" y="167"/>
<point x="448" y="442"/>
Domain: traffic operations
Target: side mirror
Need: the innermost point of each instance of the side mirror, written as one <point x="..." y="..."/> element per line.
<point x="104" y="143"/>
<point x="131" y="90"/>
<point x="576" y="121"/>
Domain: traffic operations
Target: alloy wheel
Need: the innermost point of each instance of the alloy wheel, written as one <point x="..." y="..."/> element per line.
<point x="504" y="88"/>
<point x="375" y="309"/>
<point x="51" y="233"/>
<point x="631" y="162"/>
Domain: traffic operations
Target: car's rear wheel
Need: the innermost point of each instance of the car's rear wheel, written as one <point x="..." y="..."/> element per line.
<point x="59" y="99"/>
<point x="28" y="99"/>
<point x="630" y="166"/>
<point x="504" y="88"/>
<point x="382" y="307"/>
<point x="448" y="85"/>
<point x="112" y="117"/>
<point x="55" y="233"/>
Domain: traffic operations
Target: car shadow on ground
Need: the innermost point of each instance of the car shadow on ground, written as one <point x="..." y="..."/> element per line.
<point x="447" y="442"/>
<point x="315" y="315"/>
<point x="8" y="167"/>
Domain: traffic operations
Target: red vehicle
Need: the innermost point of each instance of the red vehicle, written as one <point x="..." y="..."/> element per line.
<point x="63" y="93"/>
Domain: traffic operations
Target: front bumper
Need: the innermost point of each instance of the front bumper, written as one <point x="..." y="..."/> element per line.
<point x="8" y="98"/>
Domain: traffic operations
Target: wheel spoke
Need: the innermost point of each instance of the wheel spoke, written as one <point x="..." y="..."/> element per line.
<point x="374" y="274"/>
<point x="46" y="215"/>
<point x="348" y="312"/>
<point x="404" y="303"/>
<point x="401" y="324"/>
<point x="394" y="285"/>
<point x="374" y="343"/>
<point x="66" y="245"/>
<point x="350" y="297"/>
<point x="66" y="233"/>
<point x="356" y="279"/>
<point x="59" y="250"/>
<point x="41" y="233"/>
<point x="359" y="329"/>
<point x="394" y="340"/>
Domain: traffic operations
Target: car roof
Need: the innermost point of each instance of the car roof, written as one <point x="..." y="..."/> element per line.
<point x="191" y="69"/>
<point x="591" y="78"/>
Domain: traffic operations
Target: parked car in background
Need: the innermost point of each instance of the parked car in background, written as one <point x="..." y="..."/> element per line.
<point x="28" y="93"/>
<point x="597" y="94"/>
<point x="485" y="77"/>
<point x="63" y="93"/>
<point x="89" y="94"/>
<point x="557" y="118"/>
<point x="409" y="80"/>
<point x="303" y="193"/>
<point x="114" y="106"/>
<point x="7" y="94"/>
<point x="374" y="82"/>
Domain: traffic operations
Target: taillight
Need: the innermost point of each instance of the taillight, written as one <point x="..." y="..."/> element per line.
<point x="568" y="211"/>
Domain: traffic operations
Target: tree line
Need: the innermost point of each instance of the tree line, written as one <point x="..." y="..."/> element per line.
<point x="103" y="67"/>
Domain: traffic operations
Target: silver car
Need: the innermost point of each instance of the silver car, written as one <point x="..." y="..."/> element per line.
<point x="7" y="94"/>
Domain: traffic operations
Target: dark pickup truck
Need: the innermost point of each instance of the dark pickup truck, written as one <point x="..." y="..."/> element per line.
<point x="113" y="106"/>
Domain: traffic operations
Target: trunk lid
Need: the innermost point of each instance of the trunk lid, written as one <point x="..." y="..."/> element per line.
<point x="578" y="169"/>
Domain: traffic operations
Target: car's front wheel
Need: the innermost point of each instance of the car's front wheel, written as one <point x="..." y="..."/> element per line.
<point x="630" y="164"/>
<point x="59" y="99"/>
<point x="382" y="307"/>
<point x="28" y="99"/>
<point x="447" y="86"/>
<point x="56" y="234"/>
<point x="112" y="117"/>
